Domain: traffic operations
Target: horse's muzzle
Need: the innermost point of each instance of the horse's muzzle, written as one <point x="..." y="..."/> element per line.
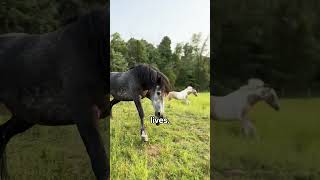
<point x="158" y="115"/>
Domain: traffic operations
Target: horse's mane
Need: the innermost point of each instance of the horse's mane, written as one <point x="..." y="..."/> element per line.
<point x="147" y="73"/>
<point x="91" y="30"/>
<point x="78" y="10"/>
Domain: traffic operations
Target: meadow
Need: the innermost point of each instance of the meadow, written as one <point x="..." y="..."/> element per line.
<point x="51" y="153"/>
<point x="287" y="148"/>
<point x="179" y="150"/>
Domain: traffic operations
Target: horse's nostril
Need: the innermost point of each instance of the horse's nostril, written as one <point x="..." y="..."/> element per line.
<point x="158" y="114"/>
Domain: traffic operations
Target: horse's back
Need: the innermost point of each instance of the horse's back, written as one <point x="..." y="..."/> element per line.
<point x="225" y="108"/>
<point x="10" y="41"/>
<point x="25" y="55"/>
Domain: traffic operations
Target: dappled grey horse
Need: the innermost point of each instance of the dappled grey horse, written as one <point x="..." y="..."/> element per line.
<point x="236" y="105"/>
<point x="58" y="78"/>
<point x="182" y="95"/>
<point x="139" y="82"/>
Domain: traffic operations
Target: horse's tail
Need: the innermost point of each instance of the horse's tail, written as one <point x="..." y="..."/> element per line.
<point x="3" y="166"/>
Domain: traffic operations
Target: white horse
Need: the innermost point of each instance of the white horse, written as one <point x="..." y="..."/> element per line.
<point x="182" y="95"/>
<point x="236" y="105"/>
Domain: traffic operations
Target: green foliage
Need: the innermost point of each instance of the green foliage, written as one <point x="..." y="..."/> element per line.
<point x="40" y="16"/>
<point x="185" y="65"/>
<point x="277" y="41"/>
<point x="117" y="61"/>
<point x="119" y="52"/>
<point x="137" y="52"/>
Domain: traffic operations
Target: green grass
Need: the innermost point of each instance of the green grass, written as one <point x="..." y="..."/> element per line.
<point x="179" y="150"/>
<point x="288" y="147"/>
<point x="44" y="152"/>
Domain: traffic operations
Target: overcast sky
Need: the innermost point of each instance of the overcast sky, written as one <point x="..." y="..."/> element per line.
<point x="153" y="19"/>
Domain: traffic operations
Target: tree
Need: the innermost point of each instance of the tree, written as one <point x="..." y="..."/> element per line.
<point x="117" y="61"/>
<point x="165" y="52"/>
<point x="118" y="44"/>
<point x="136" y="52"/>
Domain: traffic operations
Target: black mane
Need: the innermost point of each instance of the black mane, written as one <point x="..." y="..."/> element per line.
<point x="95" y="23"/>
<point x="148" y="74"/>
<point x="91" y="34"/>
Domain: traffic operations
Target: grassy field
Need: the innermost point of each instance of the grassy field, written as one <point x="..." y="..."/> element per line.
<point x="179" y="150"/>
<point x="288" y="147"/>
<point x="51" y="153"/>
<point x="176" y="151"/>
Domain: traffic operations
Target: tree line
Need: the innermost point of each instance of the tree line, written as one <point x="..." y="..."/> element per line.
<point x="41" y="16"/>
<point x="185" y="64"/>
<point x="277" y="41"/>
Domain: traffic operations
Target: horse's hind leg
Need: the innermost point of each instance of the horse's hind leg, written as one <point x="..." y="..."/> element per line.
<point x="144" y="135"/>
<point x="7" y="131"/>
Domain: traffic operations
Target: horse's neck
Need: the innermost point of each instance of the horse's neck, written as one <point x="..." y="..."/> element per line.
<point x="185" y="91"/>
<point x="238" y="92"/>
<point x="189" y="91"/>
<point x="147" y="86"/>
<point x="253" y="99"/>
<point x="242" y="95"/>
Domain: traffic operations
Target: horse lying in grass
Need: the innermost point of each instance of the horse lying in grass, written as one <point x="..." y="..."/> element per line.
<point x="236" y="105"/>
<point x="58" y="78"/>
<point x="182" y="95"/>
<point x="139" y="82"/>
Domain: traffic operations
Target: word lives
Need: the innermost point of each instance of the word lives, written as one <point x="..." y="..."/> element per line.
<point x="158" y="120"/>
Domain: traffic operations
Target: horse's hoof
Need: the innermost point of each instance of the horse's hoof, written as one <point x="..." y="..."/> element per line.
<point x="144" y="138"/>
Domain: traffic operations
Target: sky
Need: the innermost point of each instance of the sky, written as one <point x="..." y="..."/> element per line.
<point x="151" y="20"/>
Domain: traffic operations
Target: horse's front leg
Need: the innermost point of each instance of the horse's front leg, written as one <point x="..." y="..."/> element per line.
<point x="186" y="100"/>
<point x="143" y="133"/>
<point x="248" y="127"/>
<point x="85" y="117"/>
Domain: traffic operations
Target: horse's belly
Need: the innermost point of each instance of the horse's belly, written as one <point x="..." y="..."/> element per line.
<point x="221" y="112"/>
<point x="121" y="95"/>
<point x="45" y="106"/>
<point x="180" y="96"/>
<point x="48" y="112"/>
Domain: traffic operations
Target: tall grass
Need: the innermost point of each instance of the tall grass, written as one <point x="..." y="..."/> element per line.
<point x="45" y="152"/>
<point x="288" y="147"/>
<point x="179" y="150"/>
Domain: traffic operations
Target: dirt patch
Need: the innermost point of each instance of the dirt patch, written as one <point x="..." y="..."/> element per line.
<point x="153" y="151"/>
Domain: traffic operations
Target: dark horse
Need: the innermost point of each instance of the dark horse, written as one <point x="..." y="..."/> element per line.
<point x="139" y="82"/>
<point x="58" y="78"/>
